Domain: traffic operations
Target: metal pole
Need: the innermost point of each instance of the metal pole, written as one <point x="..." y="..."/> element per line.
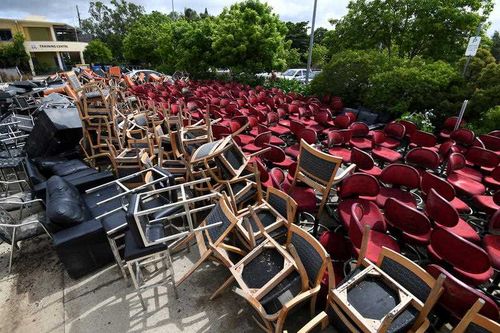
<point x="467" y="62"/>
<point x="461" y="114"/>
<point x="311" y="42"/>
<point x="173" y="11"/>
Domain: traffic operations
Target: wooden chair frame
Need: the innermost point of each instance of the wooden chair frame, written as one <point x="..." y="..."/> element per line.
<point x="473" y="316"/>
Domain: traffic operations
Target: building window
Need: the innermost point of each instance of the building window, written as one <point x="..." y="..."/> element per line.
<point x="5" y="35"/>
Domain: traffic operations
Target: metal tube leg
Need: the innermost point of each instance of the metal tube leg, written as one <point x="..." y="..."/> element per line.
<point x="12" y="246"/>
<point x="171" y="267"/>
<point x="136" y="286"/>
<point x="118" y="259"/>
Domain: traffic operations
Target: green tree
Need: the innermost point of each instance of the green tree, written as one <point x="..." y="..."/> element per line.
<point x="412" y="87"/>
<point x="97" y="52"/>
<point x="191" y="14"/>
<point x="319" y="35"/>
<point x="14" y="54"/>
<point x="486" y="90"/>
<point x="319" y="55"/>
<point x="347" y="74"/>
<point x="294" y="58"/>
<point x="249" y="37"/>
<point x="430" y="28"/>
<point x="297" y="33"/>
<point x="495" y="48"/>
<point x="141" y="43"/>
<point x="110" y="24"/>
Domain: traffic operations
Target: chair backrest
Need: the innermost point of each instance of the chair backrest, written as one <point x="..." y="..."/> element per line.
<point x="440" y="210"/>
<point x="424" y="158"/>
<point x="459" y="297"/>
<point x="362" y="159"/>
<point x="459" y="252"/>
<point x="296" y="127"/>
<point x="399" y="175"/>
<point x="220" y="213"/>
<point x="342" y="121"/>
<point x="410" y="127"/>
<point x="359" y="184"/>
<point x="482" y="157"/>
<point x="137" y="225"/>
<point x="262" y="139"/>
<point x="473" y="322"/>
<point x="274" y="154"/>
<point x="450" y="122"/>
<point x="220" y="131"/>
<point x="463" y="136"/>
<point x="456" y="161"/>
<point x="441" y="186"/>
<point x="355" y="231"/>
<point x="316" y="166"/>
<point x="359" y="129"/>
<point x="408" y="274"/>
<point x="494" y="223"/>
<point x="308" y="135"/>
<point x="339" y="137"/>
<point x="405" y="218"/>
<point x="490" y="142"/>
<point x="395" y="130"/>
<point x="423" y="139"/>
<point x="311" y="253"/>
<point x="282" y="202"/>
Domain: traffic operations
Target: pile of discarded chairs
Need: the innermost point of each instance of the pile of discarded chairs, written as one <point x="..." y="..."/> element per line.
<point x="300" y="199"/>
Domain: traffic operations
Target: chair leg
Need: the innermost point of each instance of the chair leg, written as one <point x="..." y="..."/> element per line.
<point x="12" y="246"/>
<point x="171" y="267"/>
<point x="136" y="286"/>
<point x="223" y="287"/>
<point x="118" y="259"/>
<point x="195" y="266"/>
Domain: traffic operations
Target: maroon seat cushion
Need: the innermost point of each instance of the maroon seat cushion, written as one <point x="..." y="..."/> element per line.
<point x="389" y="192"/>
<point x="375" y="171"/>
<point x="491" y="243"/>
<point x="371" y="214"/>
<point x="386" y="154"/>
<point x="460" y="206"/>
<point x="344" y="153"/>
<point x="464" y="230"/>
<point x="485" y="203"/>
<point x="361" y="143"/>
<point x="471" y="173"/>
<point x="293" y="151"/>
<point x="390" y="143"/>
<point x="376" y="241"/>
<point x="465" y="184"/>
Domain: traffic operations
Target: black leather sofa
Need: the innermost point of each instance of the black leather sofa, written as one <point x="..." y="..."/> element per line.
<point x="74" y="171"/>
<point x="79" y="238"/>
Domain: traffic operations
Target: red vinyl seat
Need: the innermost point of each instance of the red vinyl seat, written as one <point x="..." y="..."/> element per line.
<point x="487" y="203"/>
<point x="410" y="127"/>
<point x="430" y="181"/>
<point x="462" y="183"/>
<point x="308" y="135"/>
<point x="493" y="180"/>
<point x="469" y="262"/>
<point x="448" y="127"/>
<point x="423" y="139"/>
<point x="260" y="142"/>
<point x="337" y="144"/>
<point x="394" y="135"/>
<point x="398" y="179"/>
<point x="491" y="241"/>
<point x="359" y="138"/>
<point x="364" y="162"/>
<point x="464" y="139"/>
<point x="423" y="159"/>
<point x="382" y="153"/>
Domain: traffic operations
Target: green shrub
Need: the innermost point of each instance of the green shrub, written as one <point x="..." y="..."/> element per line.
<point x="422" y="120"/>
<point x="488" y="122"/>
<point x="347" y="74"/>
<point x="288" y="86"/>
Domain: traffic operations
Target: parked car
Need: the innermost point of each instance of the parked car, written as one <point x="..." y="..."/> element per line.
<point x="298" y="74"/>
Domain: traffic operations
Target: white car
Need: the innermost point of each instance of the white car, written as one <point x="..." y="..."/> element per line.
<point x="298" y="74"/>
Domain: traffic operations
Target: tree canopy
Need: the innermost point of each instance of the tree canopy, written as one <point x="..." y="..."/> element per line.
<point x="110" y="24"/>
<point x="249" y="37"/>
<point x="437" y="29"/>
<point x="495" y="48"/>
<point x="14" y="54"/>
<point x="97" y="52"/>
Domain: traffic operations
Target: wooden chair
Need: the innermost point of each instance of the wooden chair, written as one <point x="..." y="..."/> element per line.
<point x="417" y="289"/>
<point x="212" y="240"/>
<point x="320" y="171"/>
<point x="474" y="322"/>
<point x="274" y="280"/>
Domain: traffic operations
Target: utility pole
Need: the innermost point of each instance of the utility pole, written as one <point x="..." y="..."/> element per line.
<point x="173" y="10"/>
<point x="311" y="42"/>
<point x="79" y="19"/>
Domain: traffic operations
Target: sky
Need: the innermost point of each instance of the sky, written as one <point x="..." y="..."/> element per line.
<point x="288" y="10"/>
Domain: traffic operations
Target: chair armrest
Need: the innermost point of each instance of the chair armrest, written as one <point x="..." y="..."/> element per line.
<point x="321" y="318"/>
<point x="20" y="224"/>
<point x="346" y="172"/>
<point x="303" y="296"/>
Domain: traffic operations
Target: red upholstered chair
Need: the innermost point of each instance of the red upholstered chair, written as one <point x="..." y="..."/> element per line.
<point x="306" y="134"/>
<point x="458" y="297"/>
<point x="482" y="160"/>
<point x="464" y="138"/>
<point x="364" y="162"/>
<point x="382" y="153"/>
<point x="359" y="137"/>
<point x="448" y="127"/>
<point x="446" y="149"/>
<point x="414" y="225"/>
<point x="468" y="262"/>
<point x="486" y="203"/>
<point x="410" y="127"/>
<point x="274" y="126"/>
<point x="342" y="121"/>
<point x="260" y="128"/>
<point x="493" y="180"/>
<point x="260" y="142"/>
<point x="394" y="135"/>
<point x="220" y="131"/>
<point x="423" y="139"/>
<point x="360" y="189"/>
<point x="398" y="179"/>
<point x="460" y="181"/>
<point x="338" y="143"/>
<point x="430" y="181"/>
<point x="445" y="216"/>
<point x="491" y="241"/>
<point x="276" y="156"/>
<point x="423" y="159"/>
<point x="360" y="233"/>
<point x="491" y="142"/>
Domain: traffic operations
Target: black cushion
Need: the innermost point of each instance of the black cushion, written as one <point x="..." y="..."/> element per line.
<point x="367" y="117"/>
<point x="46" y="163"/>
<point x="69" y="167"/>
<point x="65" y="206"/>
<point x="114" y="223"/>
<point x="134" y="250"/>
<point x="33" y="173"/>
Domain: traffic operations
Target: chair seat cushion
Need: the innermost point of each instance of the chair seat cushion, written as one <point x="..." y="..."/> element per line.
<point x="372" y="215"/>
<point x="464" y="230"/>
<point x="284" y="164"/>
<point x="460" y="206"/>
<point x="491" y="243"/>
<point x="471" y="173"/>
<point x="390" y="143"/>
<point x="293" y="151"/>
<point x="276" y="141"/>
<point x="279" y="130"/>
<point x="288" y="288"/>
<point x="69" y="167"/>
<point x="344" y="153"/>
<point x="304" y="196"/>
<point x="376" y="242"/>
<point x="245" y="139"/>
<point x="114" y="223"/>
<point x="465" y="184"/>
<point x="251" y="148"/>
<point x="375" y="171"/>
<point x="389" y="192"/>
<point x="485" y="203"/>
<point x="133" y="250"/>
<point x="491" y="182"/>
<point x="361" y="143"/>
<point x="16" y="197"/>
<point x="386" y="154"/>
<point x="266" y="218"/>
